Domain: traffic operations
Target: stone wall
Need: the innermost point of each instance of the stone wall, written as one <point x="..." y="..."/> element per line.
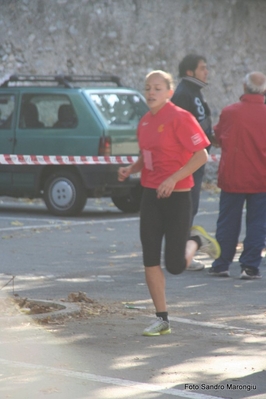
<point x="131" y="37"/>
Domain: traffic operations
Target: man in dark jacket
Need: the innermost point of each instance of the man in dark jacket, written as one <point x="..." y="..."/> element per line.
<point x="193" y="73"/>
<point x="241" y="133"/>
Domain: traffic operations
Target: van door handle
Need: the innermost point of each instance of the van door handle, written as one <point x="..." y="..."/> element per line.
<point x="12" y="140"/>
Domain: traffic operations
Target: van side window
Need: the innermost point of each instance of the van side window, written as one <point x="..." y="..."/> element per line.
<point x="119" y="109"/>
<point x="7" y="104"/>
<point x="66" y="117"/>
<point x="30" y="116"/>
<point x="47" y="111"/>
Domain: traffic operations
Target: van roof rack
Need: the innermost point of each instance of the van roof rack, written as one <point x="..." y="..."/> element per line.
<point x="64" y="80"/>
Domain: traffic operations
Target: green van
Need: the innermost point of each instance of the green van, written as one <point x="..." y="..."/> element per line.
<point x="68" y="117"/>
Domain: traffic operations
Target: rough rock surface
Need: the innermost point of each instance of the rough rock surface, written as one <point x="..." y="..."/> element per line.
<point x="131" y="37"/>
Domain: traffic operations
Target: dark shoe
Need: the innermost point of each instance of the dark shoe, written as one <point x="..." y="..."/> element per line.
<point x="249" y="274"/>
<point x="224" y="273"/>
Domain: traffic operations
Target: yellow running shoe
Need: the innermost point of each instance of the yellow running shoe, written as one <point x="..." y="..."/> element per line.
<point x="209" y="245"/>
<point x="158" y="327"/>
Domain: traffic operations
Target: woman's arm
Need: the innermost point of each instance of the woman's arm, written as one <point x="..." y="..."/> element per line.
<point x="135" y="167"/>
<point x="198" y="159"/>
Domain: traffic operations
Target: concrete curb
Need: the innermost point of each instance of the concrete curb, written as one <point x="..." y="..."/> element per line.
<point x="65" y="309"/>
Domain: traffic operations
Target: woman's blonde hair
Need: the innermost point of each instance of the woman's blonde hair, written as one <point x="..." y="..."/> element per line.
<point x="165" y="75"/>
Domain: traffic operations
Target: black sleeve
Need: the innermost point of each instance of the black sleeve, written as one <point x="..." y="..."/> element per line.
<point x="181" y="100"/>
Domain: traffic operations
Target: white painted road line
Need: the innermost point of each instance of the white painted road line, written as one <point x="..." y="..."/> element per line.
<point x="206" y="324"/>
<point x="108" y="380"/>
<point x="31" y="219"/>
<point x="57" y="223"/>
<point x="66" y="224"/>
<point x="219" y="326"/>
<point x="215" y="325"/>
<point x="33" y="227"/>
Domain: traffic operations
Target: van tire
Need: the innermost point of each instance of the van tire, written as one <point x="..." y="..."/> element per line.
<point x="129" y="203"/>
<point x="64" y="194"/>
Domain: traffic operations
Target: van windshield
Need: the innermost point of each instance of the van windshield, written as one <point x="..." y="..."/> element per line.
<point x="118" y="108"/>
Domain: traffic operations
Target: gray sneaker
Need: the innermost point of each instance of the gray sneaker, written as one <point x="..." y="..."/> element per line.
<point x="209" y="245"/>
<point x="249" y="274"/>
<point x="195" y="265"/>
<point x="224" y="273"/>
<point x="158" y="327"/>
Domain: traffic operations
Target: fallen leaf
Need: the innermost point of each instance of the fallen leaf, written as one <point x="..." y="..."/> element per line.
<point x="17" y="223"/>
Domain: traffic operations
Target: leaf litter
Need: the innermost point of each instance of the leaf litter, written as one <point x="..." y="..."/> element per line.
<point x="87" y="308"/>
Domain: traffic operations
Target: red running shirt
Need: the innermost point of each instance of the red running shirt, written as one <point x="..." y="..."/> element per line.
<point x="167" y="141"/>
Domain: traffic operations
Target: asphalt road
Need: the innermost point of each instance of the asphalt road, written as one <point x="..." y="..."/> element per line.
<point x="217" y="347"/>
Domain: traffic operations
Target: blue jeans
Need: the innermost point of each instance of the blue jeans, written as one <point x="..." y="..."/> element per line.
<point x="229" y="226"/>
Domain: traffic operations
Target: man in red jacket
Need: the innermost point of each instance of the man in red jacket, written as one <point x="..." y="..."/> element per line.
<point x="241" y="133"/>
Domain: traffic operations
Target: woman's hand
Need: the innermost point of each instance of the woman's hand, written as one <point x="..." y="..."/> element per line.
<point x="166" y="188"/>
<point x="124" y="172"/>
<point x="135" y="167"/>
<point x="198" y="159"/>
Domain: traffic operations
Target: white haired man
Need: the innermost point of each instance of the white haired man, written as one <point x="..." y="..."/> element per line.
<point x="241" y="133"/>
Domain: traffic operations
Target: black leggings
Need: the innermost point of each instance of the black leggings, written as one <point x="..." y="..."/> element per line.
<point x="169" y="217"/>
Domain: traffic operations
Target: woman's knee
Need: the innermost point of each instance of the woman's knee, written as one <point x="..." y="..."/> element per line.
<point x="175" y="266"/>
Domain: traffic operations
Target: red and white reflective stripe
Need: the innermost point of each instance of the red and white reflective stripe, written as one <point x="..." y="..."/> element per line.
<point x="12" y="159"/>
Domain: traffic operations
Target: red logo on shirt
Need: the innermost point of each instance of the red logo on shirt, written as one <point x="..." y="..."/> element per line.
<point x="196" y="139"/>
<point x="161" y="128"/>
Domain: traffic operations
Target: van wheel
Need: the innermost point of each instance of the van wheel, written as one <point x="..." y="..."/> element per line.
<point x="64" y="194"/>
<point x="129" y="203"/>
